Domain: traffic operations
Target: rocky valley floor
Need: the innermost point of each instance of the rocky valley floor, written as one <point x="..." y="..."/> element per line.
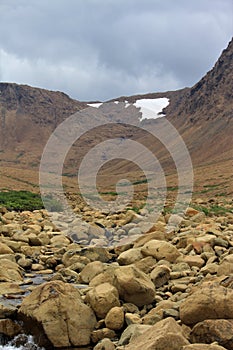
<point x="151" y="288"/>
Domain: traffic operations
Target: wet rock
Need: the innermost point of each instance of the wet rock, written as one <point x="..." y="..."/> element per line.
<point x="55" y="313"/>
<point x="9" y="328"/>
<point x="7" y="309"/>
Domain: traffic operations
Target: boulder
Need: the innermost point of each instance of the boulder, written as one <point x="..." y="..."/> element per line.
<point x="203" y="347"/>
<point x="108" y="276"/>
<point x="210" y="331"/>
<point x="208" y="302"/>
<point x="134" y="286"/>
<point x="91" y="270"/>
<point x="9" y="328"/>
<point x="161" y="250"/>
<point x="9" y="271"/>
<point x="130" y="256"/>
<point x="115" y="318"/>
<point x="4" y="249"/>
<point x="10" y="288"/>
<point x="160" y="275"/>
<point x="7" y="309"/>
<point x="72" y="256"/>
<point x="146" y="264"/>
<point x="226" y="266"/>
<point x="132" y="318"/>
<point x="193" y="260"/>
<point x="132" y="332"/>
<point x="102" y="333"/>
<point x="105" y="344"/>
<point x="164" y="335"/>
<point x="102" y="298"/>
<point x="56" y="315"/>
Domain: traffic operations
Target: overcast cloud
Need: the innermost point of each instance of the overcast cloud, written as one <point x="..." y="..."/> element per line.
<point x="100" y="49"/>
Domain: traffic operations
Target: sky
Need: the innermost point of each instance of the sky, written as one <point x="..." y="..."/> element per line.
<point x="95" y="50"/>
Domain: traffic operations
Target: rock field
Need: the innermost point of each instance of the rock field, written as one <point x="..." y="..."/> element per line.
<point x="119" y="283"/>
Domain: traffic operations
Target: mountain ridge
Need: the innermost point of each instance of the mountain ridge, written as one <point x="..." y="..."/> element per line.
<point x="202" y="114"/>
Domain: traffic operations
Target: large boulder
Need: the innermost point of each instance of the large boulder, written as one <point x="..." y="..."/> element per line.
<point x="208" y="302"/>
<point x="164" y="335"/>
<point x="160" y="250"/>
<point x="56" y="315"/>
<point x="134" y="286"/>
<point x="210" y="331"/>
<point x="203" y="347"/>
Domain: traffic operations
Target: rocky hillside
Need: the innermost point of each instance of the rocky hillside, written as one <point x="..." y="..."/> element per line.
<point x="43" y="107"/>
<point x="27" y="117"/>
<point x="212" y="97"/>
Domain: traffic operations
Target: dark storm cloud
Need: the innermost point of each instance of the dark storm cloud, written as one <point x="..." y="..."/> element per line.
<point x="99" y="49"/>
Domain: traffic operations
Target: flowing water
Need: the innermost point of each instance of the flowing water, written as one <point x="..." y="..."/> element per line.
<point x="20" y="342"/>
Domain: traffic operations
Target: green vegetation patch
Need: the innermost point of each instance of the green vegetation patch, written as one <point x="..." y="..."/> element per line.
<point x="21" y="200"/>
<point x="138" y="182"/>
<point x="213" y="209"/>
<point x="26" y="200"/>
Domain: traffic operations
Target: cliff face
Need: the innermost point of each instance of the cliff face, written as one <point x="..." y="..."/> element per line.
<point x="212" y="97"/>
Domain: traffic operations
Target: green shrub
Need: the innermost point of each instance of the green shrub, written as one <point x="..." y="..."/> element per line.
<point x="25" y="200"/>
<point x="20" y="200"/>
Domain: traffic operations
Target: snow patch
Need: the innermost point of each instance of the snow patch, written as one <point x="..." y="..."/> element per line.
<point x="151" y="108"/>
<point x="96" y="105"/>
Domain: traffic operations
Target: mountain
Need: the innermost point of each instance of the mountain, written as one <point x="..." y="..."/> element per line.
<point x="28" y="115"/>
<point x="202" y="114"/>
